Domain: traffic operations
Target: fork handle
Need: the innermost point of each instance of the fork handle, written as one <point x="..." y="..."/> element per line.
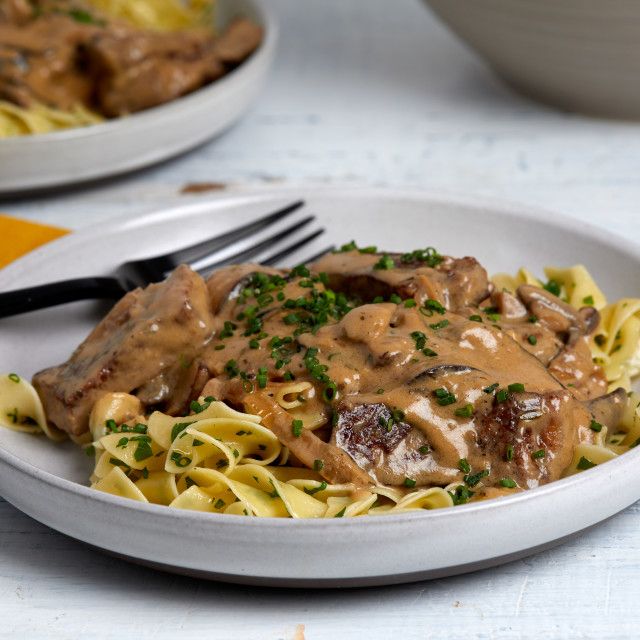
<point x="50" y="295"/>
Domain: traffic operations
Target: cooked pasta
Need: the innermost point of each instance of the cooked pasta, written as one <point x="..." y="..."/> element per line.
<point x="164" y="15"/>
<point x="38" y="118"/>
<point x="21" y="408"/>
<point x="217" y="459"/>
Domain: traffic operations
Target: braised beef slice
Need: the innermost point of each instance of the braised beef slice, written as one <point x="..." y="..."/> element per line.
<point x="48" y="56"/>
<point x="226" y="284"/>
<point x="367" y="427"/>
<point x="137" y="70"/>
<point x="456" y="282"/>
<point x="530" y="437"/>
<point x="151" y="334"/>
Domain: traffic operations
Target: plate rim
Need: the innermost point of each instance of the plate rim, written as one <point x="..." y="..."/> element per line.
<point x="506" y="208"/>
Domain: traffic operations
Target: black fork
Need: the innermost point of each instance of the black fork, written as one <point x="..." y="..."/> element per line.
<point x="203" y="257"/>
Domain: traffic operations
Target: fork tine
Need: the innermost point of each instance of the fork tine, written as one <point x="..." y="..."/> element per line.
<point x="210" y="246"/>
<point x="256" y="249"/>
<point x="276" y="257"/>
<point x="317" y="256"/>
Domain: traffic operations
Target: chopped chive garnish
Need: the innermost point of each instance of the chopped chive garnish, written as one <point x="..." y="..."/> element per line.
<point x="461" y="495"/>
<point x="433" y="305"/>
<point x="588" y="300"/>
<point x="180" y="460"/>
<point x="463" y="465"/>
<point x="444" y="396"/>
<point x="532" y="340"/>
<point x="585" y="463"/>
<point x="329" y="392"/>
<point x="318" y="465"/>
<point x="553" y="287"/>
<point x="143" y="448"/>
<point x="464" y="412"/>
<point x="491" y="388"/>
<point x="537" y="455"/>
<point x="321" y="487"/>
<point x="475" y="318"/>
<point x="408" y="482"/>
<point x="516" y="387"/>
<point x="508" y="483"/>
<point x="429" y="256"/>
<point x="14" y="377"/>
<point x="473" y="479"/>
<point x="439" y="325"/>
<point x="509" y="453"/>
<point x="231" y="368"/>
<point x="385" y="263"/>
<point x="296" y="428"/>
<point x="595" y="426"/>
<point x="420" y="339"/>
<point x="340" y="513"/>
<point x="502" y="395"/>
<point x="178" y="428"/>
<point x="424" y="449"/>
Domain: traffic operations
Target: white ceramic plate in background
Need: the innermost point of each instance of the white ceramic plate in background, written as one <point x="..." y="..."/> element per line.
<point x="46" y="480"/>
<point x="125" y="144"/>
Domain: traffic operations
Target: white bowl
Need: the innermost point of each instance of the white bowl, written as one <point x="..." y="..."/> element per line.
<point x="125" y="144"/>
<point x="580" y="55"/>
<point x="47" y="481"/>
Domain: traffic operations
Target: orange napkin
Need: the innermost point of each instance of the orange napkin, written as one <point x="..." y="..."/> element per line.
<point x="18" y="237"/>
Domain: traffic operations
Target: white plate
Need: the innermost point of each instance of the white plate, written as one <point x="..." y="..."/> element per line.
<point x="46" y="480"/>
<point x="125" y="144"/>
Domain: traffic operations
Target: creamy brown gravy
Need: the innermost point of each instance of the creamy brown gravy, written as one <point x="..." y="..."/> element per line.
<point x="409" y="386"/>
<point x="49" y="56"/>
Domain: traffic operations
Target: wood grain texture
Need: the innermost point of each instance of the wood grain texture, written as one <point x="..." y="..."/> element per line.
<point x="361" y="93"/>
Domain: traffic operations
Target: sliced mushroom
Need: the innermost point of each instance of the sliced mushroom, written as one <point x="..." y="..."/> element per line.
<point x="508" y="305"/>
<point x="608" y="409"/>
<point x="556" y="314"/>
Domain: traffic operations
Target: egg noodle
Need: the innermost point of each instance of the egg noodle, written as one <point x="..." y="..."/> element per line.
<point x="220" y="460"/>
<point x="161" y="15"/>
<point x="615" y="347"/>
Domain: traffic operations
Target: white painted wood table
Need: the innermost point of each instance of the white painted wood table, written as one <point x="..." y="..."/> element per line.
<point x="372" y="92"/>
